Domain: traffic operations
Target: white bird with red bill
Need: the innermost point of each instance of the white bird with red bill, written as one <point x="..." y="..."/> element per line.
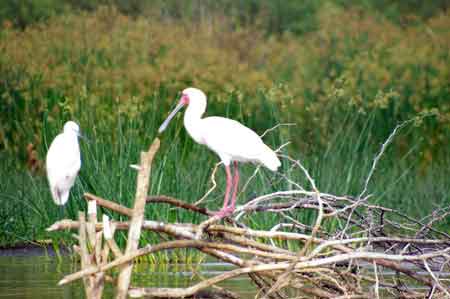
<point x="229" y="139"/>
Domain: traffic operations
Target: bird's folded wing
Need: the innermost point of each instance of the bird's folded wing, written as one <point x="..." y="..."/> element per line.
<point x="231" y="137"/>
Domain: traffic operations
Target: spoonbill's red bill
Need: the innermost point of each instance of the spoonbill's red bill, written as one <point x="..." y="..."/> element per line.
<point x="229" y="139"/>
<point x="63" y="162"/>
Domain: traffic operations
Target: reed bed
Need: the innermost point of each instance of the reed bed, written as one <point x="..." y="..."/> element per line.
<point x="325" y="262"/>
<point x="345" y="85"/>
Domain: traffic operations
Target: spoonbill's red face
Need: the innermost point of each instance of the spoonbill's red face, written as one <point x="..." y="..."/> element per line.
<point x="184" y="99"/>
<point x="193" y="97"/>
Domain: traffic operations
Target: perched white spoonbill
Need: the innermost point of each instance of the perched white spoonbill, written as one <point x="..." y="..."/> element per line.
<point x="229" y="139"/>
<point x="63" y="162"/>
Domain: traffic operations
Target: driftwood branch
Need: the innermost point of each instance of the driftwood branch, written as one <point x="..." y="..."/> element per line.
<point x="342" y="252"/>
<point x="109" y="204"/>
<point x="137" y="217"/>
<point x="178" y="203"/>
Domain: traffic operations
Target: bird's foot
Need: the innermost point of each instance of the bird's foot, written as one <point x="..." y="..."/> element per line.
<point x="220" y="214"/>
<point x="224" y="212"/>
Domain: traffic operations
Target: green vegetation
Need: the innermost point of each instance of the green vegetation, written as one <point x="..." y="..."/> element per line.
<point x="346" y="74"/>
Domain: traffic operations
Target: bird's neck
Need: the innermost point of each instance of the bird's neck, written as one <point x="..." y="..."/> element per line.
<point x="192" y="123"/>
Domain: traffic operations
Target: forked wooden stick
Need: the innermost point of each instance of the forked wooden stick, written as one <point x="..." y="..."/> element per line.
<point x="137" y="217"/>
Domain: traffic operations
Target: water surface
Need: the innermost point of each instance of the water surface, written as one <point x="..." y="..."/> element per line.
<point x="36" y="276"/>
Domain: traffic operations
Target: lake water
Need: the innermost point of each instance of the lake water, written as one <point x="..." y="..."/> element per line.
<point x="32" y="274"/>
<point x="36" y="276"/>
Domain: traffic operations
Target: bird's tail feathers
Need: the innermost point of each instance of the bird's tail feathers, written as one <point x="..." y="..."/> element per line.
<point x="59" y="197"/>
<point x="270" y="160"/>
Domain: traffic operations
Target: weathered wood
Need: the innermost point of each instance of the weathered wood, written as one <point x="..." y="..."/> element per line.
<point x="323" y="264"/>
<point x="137" y="217"/>
<point x="205" y="224"/>
<point x="370" y="256"/>
<point x="91" y="229"/>
<point x="109" y="204"/>
<point x="93" y="284"/>
<point x="84" y="257"/>
<point x="179" y="228"/>
<point x="143" y="251"/>
<point x="178" y="203"/>
<point x="107" y="231"/>
<point x="200" y="294"/>
<point x="189" y="291"/>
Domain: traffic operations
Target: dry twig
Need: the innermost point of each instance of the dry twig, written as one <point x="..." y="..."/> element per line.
<point x="339" y="254"/>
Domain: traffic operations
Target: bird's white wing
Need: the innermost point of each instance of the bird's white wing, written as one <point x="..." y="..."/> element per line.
<point x="63" y="162"/>
<point x="230" y="137"/>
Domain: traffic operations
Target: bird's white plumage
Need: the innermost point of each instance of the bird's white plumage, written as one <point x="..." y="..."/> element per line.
<point x="63" y="162"/>
<point x="233" y="141"/>
<point x="228" y="138"/>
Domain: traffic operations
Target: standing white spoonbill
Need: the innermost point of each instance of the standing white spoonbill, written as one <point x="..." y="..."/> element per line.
<point x="63" y="162"/>
<point x="229" y="139"/>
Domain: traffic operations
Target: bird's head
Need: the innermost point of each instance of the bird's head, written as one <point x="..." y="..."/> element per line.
<point x="192" y="97"/>
<point x="71" y="127"/>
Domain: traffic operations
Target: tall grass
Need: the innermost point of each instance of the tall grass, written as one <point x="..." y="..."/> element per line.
<point x="182" y="169"/>
<point x="113" y="64"/>
<point x="345" y="86"/>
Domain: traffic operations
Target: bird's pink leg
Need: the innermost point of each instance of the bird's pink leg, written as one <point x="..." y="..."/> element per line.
<point x="231" y="208"/>
<point x="223" y="212"/>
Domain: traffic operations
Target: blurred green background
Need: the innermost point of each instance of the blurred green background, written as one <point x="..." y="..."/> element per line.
<point x="345" y="72"/>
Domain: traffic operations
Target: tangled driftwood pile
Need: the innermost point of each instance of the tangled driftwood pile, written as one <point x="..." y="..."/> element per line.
<point x="346" y="262"/>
